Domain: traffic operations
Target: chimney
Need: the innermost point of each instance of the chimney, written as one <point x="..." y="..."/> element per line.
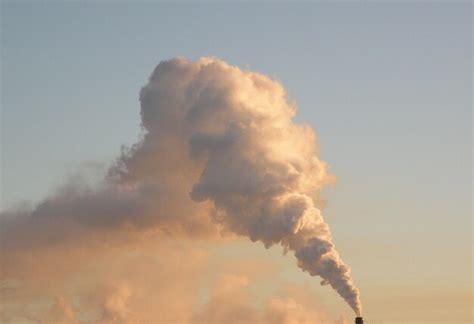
<point x="359" y="320"/>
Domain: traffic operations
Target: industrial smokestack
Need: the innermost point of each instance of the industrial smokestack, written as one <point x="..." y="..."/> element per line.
<point x="359" y="320"/>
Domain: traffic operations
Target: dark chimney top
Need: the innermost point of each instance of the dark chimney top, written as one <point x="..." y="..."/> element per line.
<point x="359" y="320"/>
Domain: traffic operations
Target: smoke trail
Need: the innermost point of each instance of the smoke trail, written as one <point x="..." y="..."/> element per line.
<point x="220" y="150"/>
<point x="258" y="167"/>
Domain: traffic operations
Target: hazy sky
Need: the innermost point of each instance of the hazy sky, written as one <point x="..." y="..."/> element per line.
<point x="387" y="86"/>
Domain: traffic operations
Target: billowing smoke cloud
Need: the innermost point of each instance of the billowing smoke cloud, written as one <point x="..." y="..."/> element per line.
<point x="256" y="165"/>
<point x="220" y="154"/>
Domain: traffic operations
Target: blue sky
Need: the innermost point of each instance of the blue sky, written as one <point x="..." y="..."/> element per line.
<point x="387" y="86"/>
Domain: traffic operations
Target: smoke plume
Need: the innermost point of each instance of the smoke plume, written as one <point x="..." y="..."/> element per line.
<point x="220" y="154"/>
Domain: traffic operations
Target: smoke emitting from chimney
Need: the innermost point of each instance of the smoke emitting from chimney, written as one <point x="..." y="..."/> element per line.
<point x="220" y="148"/>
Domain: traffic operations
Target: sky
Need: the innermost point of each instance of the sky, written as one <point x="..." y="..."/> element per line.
<point x="386" y="86"/>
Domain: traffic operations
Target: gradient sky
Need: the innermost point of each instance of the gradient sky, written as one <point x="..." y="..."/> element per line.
<point x="386" y="85"/>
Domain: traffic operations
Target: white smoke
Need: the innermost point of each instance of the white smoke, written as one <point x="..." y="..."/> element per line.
<point x="257" y="166"/>
<point x="220" y="152"/>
